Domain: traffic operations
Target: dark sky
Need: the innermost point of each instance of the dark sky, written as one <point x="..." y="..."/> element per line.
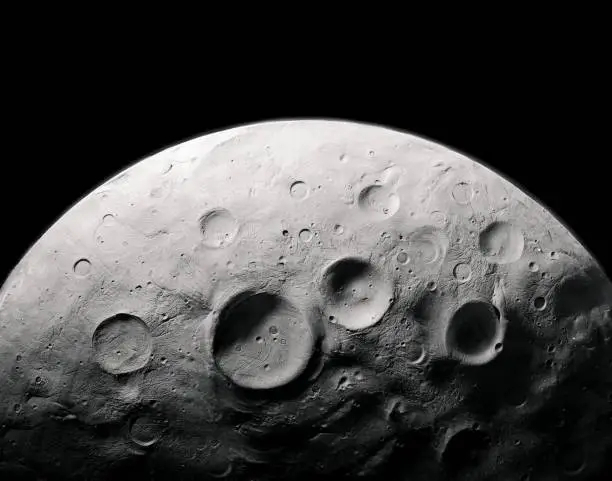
<point x="70" y="137"/>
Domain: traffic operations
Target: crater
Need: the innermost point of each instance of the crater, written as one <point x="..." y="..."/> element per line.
<point x="402" y="258"/>
<point x="82" y="267"/>
<point x="462" y="272"/>
<point x="298" y="190"/>
<point x="539" y="303"/>
<point x="219" y="228"/>
<point x="501" y="243"/>
<point x="572" y="459"/>
<point x="427" y="245"/>
<point x="473" y="332"/>
<point x="379" y="200"/>
<point x="465" y="450"/>
<point x="146" y="431"/>
<point x="415" y="353"/>
<point x="356" y="294"/>
<point x="305" y="235"/>
<point x="262" y="341"/>
<point x="122" y="344"/>
<point x="575" y="294"/>
<point x="462" y="193"/>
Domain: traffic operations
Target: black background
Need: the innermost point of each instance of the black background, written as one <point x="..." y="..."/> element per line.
<point x="69" y="136"/>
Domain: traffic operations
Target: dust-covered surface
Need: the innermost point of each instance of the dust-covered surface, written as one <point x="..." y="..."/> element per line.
<point x="306" y="300"/>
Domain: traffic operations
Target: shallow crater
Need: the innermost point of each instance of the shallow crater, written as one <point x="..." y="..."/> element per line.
<point x="356" y="294"/>
<point x="122" y="344"/>
<point x="219" y="228"/>
<point x="379" y="200"/>
<point x="502" y="242"/>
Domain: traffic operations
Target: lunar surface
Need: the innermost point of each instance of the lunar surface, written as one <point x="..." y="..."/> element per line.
<point x="306" y="300"/>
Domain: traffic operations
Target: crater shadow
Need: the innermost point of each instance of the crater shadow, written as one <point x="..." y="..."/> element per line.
<point x="506" y="380"/>
<point x="465" y="450"/>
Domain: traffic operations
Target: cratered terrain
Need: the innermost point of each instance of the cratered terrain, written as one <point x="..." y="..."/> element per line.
<point x="306" y="300"/>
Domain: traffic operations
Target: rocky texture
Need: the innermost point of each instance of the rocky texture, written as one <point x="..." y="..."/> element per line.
<point x="306" y="300"/>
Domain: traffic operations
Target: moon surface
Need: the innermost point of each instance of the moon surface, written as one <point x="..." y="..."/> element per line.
<point x="306" y="300"/>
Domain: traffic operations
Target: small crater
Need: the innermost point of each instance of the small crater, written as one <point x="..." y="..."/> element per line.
<point x="415" y="354"/>
<point x="463" y="193"/>
<point x="539" y="303"/>
<point x="219" y="228"/>
<point x="122" y="344"/>
<point x="502" y="243"/>
<point x="82" y="267"/>
<point x="305" y="235"/>
<point x="462" y="272"/>
<point x="298" y="190"/>
<point x="108" y="219"/>
<point x="338" y="229"/>
<point x="403" y="258"/>
<point x="379" y="200"/>
<point x="534" y="267"/>
<point x="357" y="295"/>
<point x="253" y="321"/>
<point x="146" y="431"/>
<point x="572" y="459"/>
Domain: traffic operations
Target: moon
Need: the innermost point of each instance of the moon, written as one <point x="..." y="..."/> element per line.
<point x="306" y="299"/>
